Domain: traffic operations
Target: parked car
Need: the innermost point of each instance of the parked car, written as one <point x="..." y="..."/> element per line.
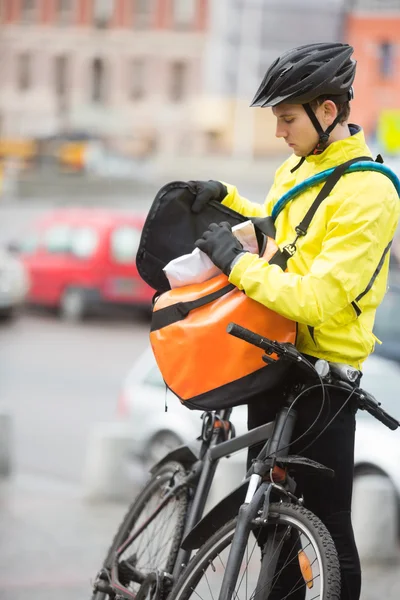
<point x="14" y="285"/>
<point x="144" y="395"/>
<point x="78" y="259"/>
<point x="387" y="322"/>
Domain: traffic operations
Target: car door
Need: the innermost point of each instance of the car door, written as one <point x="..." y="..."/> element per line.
<point x="50" y="268"/>
<point x="33" y="256"/>
<point x="122" y="282"/>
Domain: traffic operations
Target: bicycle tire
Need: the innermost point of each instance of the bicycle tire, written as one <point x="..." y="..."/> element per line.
<point x="151" y="490"/>
<point x="282" y="513"/>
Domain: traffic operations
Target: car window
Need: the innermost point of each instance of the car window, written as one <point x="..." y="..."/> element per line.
<point x="29" y="244"/>
<point x="154" y="378"/>
<point x="124" y="244"/>
<point x="84" y="242"/>
<point x="57" y="239"/>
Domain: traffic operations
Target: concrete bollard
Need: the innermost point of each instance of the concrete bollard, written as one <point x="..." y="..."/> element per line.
<point x="108" y="472"/>
<point x="375" y="519"/>
<point x="5" y="444"/>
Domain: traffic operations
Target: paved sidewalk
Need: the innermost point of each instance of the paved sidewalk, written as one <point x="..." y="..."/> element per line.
<point x="52" y="543"/>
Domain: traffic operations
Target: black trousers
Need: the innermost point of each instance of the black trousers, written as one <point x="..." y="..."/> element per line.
<point x="329" y="499"/>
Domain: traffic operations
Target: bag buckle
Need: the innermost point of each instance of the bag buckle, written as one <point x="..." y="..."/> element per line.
<point x="290" y="249"/>
<point x="300" y="231"/>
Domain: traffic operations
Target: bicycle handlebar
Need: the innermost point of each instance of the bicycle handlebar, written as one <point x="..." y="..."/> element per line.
<point x="342" y="375"/>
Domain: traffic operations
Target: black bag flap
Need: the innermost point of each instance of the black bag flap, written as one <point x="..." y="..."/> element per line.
<point x="171" y="229"/>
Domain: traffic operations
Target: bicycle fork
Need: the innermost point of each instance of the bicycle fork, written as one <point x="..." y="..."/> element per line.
<point x="247" y="513"/>
<point x="258" y="488"/>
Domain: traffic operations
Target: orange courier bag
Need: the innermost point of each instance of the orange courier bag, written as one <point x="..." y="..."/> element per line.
<point x="200" y="362"/>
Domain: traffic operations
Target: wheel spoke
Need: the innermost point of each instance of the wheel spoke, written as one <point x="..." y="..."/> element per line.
<point x="299" y="546"/>
<point x="158" y="533"/>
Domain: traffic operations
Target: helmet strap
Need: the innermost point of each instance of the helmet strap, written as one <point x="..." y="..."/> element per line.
<point x="323" y="135"/>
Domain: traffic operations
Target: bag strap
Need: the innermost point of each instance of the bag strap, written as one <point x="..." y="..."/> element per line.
<point x="301" y="230"/>
<point x="325" y="191"/>
<point x="328" y="186"/>
<point x="176" y="312"/>
<point x="372" y="280"/>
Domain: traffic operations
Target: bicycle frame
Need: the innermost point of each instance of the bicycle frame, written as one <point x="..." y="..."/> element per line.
<point x="276" y="434"/>
<point x="278" y="445"/>
<point x="203" y="470"/>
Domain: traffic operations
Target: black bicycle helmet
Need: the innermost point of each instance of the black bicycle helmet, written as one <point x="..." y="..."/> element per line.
<point x="305" y="73"/>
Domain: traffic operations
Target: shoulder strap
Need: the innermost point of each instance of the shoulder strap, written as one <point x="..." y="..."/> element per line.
<point x="322" y="176"/>
<point x="302" y="228"/>
<point x="325" y="191"/>
<point x="371" y="281"/>
<point x="328" y="186"/>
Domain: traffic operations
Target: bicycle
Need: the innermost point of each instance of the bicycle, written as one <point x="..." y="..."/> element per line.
<point x="150" y="554"/>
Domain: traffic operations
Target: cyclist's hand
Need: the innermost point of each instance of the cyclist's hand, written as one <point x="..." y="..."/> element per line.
<point x="219" y="243"/>
<point x="206" y="191"/>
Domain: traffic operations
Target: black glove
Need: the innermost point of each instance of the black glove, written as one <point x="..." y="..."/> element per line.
<point x="206" y="191"/>
<point x="219" y="243"/>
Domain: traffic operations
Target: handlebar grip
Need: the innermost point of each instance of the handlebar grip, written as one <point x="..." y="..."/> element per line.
<point x="373" y="407"/>
<point x="248" y="336"/>
<point x="386" y="419"/>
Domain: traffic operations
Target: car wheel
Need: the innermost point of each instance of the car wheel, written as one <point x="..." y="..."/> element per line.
<point x="365" y="470"/>
<point x="73" y="305"/>
<point x="7" y="315"/>
<point x="162" y="443"/>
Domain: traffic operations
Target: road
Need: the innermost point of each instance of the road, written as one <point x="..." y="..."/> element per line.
<point x="57" y="379"/>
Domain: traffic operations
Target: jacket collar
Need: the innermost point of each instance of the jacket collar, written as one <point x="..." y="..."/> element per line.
<point x="341" y="151"/>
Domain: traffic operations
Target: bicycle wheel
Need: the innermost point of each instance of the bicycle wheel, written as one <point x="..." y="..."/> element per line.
<point x="156" y="547"/>
<point x="307" y="566"/>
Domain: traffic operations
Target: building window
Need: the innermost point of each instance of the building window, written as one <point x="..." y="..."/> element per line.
<point x="386" y="59"/>
<point x="24" y="72"/>
<point x="28" y="11"/>
<point x="143" y="11"/>
<point x="184" y="13"/>
<point x="61" y="75"/>
<point x="178" y="81"/>
<point x="98" y="81"/>
<point x="64" y="12"/>
<point x="137" y="73"/>
<point x="102" y="13"/>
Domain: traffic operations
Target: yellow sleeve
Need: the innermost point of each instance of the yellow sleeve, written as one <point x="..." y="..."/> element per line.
<point x="242" y="205"/>
<point x="353" y="244"/>
<point x="253" y="209"/>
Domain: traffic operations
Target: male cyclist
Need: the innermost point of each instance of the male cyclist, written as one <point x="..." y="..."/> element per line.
<point x="332" y="285"/>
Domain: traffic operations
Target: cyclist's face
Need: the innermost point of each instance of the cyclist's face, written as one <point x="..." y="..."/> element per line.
<point x="295" y="127"/>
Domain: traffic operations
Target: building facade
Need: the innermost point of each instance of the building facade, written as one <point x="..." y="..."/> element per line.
<point x="176" y="77"/>
<point x="245" y="37"/>
<point x="373" y="28"/>
<point x="123" y="69"/>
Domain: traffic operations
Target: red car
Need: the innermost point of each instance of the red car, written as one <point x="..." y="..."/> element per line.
<point x="79" y="258"/>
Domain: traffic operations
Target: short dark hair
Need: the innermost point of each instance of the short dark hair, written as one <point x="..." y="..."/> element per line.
<point x="342" y="107"/>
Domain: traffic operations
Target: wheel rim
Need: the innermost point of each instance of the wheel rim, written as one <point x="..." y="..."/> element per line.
<point x="207" y="584"/>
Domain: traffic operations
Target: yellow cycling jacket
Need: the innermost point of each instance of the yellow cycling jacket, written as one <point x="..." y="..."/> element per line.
<point x="334" y="262"/>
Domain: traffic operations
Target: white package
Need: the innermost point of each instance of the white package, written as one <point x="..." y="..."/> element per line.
<point x="198" y="267"/>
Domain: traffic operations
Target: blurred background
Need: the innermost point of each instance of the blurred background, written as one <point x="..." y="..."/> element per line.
<point x="101" y="103"/>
